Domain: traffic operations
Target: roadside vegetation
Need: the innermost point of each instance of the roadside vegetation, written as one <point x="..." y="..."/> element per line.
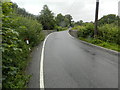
<point x="52" y="22"/>
<point x="16" y="29"/>
<point x="108" y="34"/>
<point x="18" y="26"/>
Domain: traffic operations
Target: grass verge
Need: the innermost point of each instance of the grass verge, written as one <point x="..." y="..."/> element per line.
<point x="101" y="43"/>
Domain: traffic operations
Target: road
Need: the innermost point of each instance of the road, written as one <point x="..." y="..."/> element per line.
<point x="68" y="63"/>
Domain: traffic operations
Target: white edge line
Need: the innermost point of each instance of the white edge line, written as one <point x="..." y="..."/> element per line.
<point x="69" y="34"/>
<point x="41" y="64"/>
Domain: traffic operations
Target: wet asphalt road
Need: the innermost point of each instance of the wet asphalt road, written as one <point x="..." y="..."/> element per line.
<point x="68" y="63"/>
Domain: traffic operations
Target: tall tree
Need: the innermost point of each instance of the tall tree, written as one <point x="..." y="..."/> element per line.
<point x="68" y="18"/>
<point x="108" y="19"/>
<point x="63" y="21"/>
<point x="60" y="20"/>
<point x="46" y="18"/>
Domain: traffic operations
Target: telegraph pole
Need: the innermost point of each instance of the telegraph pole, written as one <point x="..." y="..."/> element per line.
<point x="96" y="18"/>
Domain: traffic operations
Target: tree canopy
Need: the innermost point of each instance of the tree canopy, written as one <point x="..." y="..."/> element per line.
<point x="108" y="19"/>
<point x="46" y="18"/>
<point x="63" y="21"/>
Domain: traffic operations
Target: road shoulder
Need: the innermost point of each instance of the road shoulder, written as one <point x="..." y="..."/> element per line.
<point x="33" y="67"/>
<point x="95" y="46"/>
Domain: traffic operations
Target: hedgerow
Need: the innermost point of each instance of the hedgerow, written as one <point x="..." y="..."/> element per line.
<point x="59" y="28"/>
<point x="15" y="51"/>
<point x="108" y="35"/>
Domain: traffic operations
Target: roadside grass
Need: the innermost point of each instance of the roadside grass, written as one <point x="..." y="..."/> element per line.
<point x="108" y="35"/>
<point x="101" y="43"/>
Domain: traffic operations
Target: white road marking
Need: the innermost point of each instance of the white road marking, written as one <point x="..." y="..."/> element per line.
<point x="41" y="64"/>
<point x="70" y="34"/>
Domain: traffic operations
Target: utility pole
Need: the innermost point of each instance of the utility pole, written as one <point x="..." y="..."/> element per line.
<point x="119" y="15"/>
<point x="70" y="23"/>
<point x="96" y="18"/>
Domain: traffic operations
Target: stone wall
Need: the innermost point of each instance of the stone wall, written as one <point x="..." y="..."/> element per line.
<point x="73" y="33"/>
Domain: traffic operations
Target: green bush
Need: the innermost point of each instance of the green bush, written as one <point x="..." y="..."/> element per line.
<point x="59" y="28"/>
<point x="15" y="51"/>
<point x="29" y="29"/>
<point x="82" y="32"/>
<point x="76" y="27"/>
<point x="14" y="55"/>
<point x="86" y="31"/>
<point x="109" y="33"/>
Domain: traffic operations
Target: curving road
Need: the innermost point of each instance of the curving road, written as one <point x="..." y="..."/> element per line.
<point x="68" y="63"/>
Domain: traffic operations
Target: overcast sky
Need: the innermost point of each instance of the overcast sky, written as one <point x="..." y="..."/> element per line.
<point x="79" y="9"/>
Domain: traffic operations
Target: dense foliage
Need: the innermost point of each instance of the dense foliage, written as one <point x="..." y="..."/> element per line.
<point x="50" y="22"/>
<point x="59" y="28"/>
<point x="22" y="12"/>
<point x="108" y="19"/>
<point x="19" y="26"/>
<point x="63" y="21"/>
<point x="46" y="18"/>
<point x="108" y="34"/>
<point x="78" y="23"/>
<point x="87" y="30"/>
<point x="16" y="29"/>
